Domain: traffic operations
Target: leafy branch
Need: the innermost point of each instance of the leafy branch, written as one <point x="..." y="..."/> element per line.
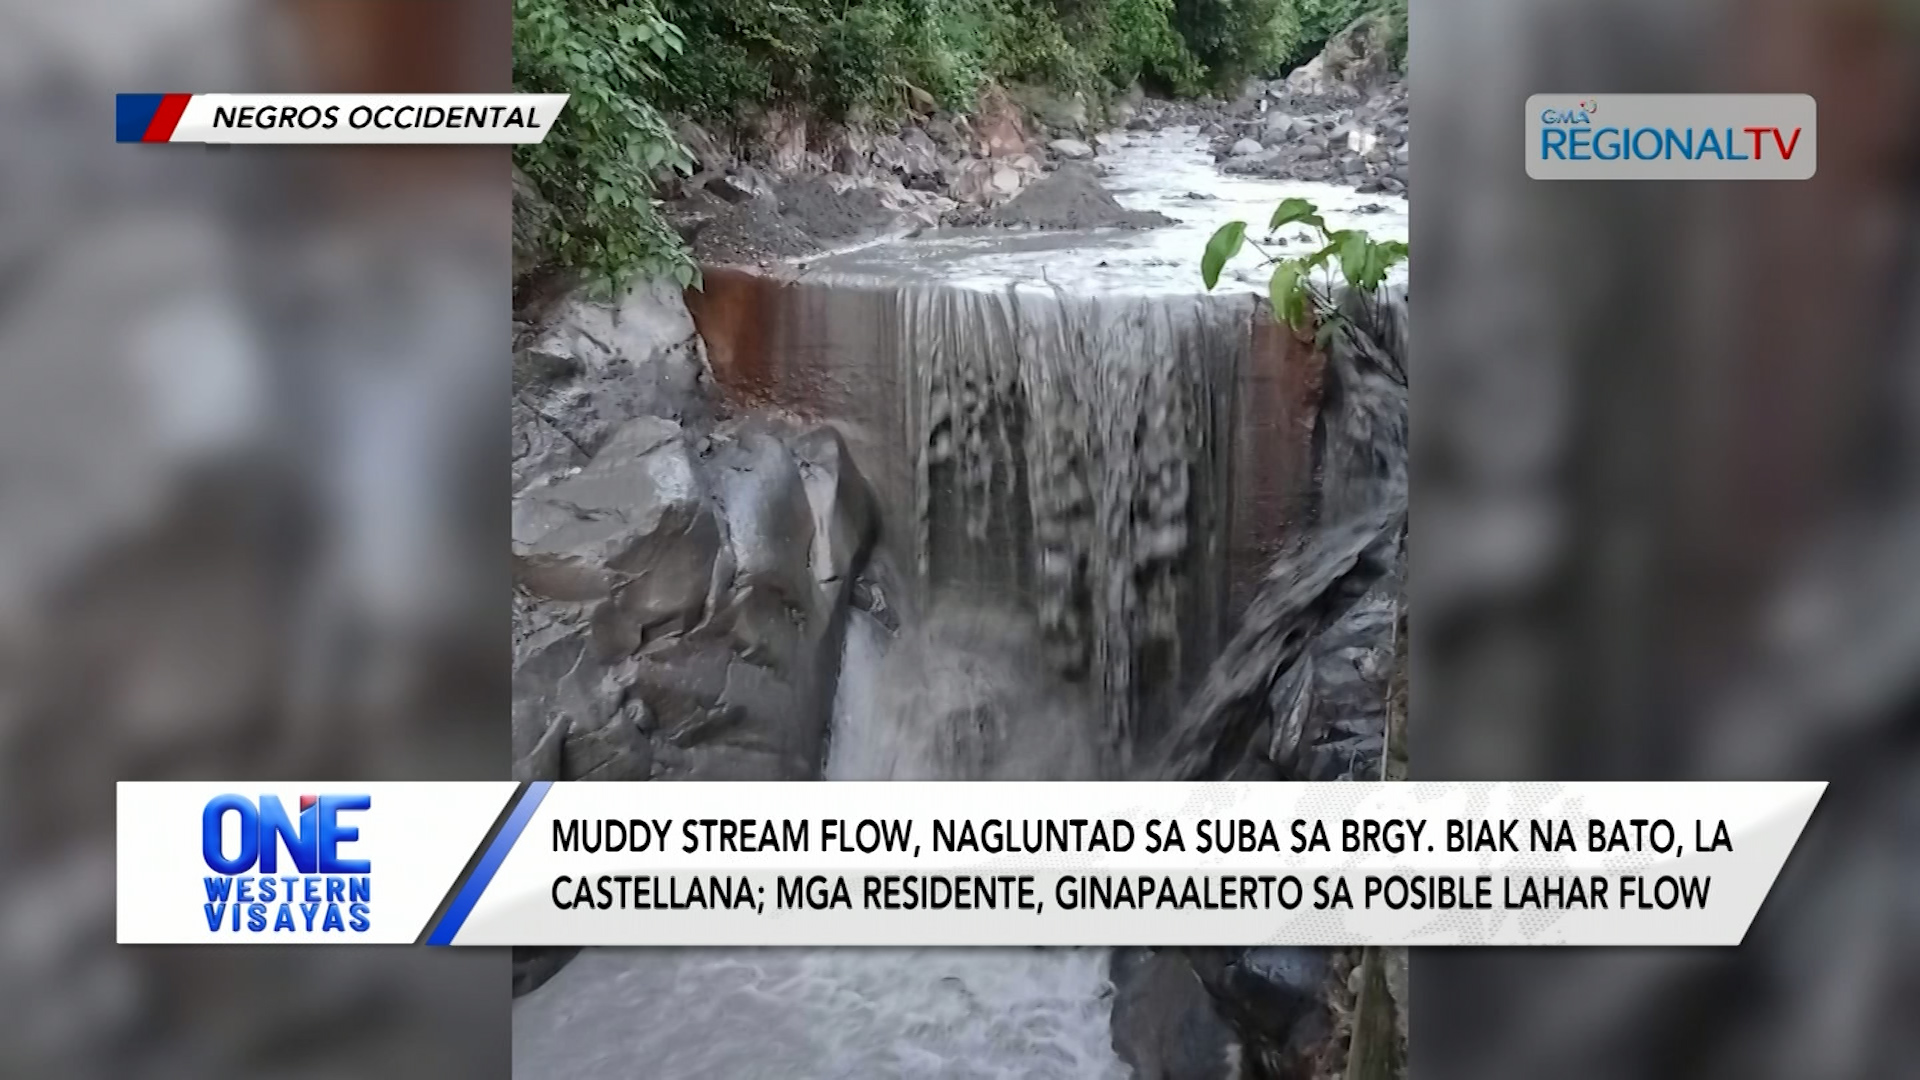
<point x="598" y="164"/>
<point x="1363" y="261"/>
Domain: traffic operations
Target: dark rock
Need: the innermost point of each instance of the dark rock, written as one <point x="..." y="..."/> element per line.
<point x="534" y="965"/>
<point x="633" y="528"/>
<point x="743" y="186"/>
<point x="1165" y="1024"/>
<point x="1276" y="1001"/>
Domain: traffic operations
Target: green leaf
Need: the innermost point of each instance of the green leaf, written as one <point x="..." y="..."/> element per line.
<point x="1226" y="243"/>
<point x="1355" y="253"/>
<point x="1287" y="292"/>
<point x="1296" y="209"/>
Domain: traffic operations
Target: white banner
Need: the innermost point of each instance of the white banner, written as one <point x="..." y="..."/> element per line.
<point x="941" y="864"/>
<point x="338" y="118"/>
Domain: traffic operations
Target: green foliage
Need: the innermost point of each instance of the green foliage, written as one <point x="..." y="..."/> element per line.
<point x="1362" y="261"/>
<point x="1145" y="47"/>
<point x="1304" y="26"/>
<point x="597" y="164"/>
<point x="1231" y="38"/>
<point x="842" y="54"/>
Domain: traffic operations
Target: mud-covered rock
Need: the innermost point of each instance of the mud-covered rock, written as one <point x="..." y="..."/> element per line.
<point x="1071" y="149"/>
<point x="1165" y="1024"/>
<point x="592" y="365"/>
<point x="634" y="531"/>
<point x="1072" y="198"/>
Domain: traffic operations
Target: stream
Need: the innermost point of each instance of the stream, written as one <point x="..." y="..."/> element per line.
<point x="1053" y="434"/>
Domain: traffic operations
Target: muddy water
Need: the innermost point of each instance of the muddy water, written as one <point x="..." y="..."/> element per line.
<point x="1168" y="171"/>
<point x="1064" y="431"/>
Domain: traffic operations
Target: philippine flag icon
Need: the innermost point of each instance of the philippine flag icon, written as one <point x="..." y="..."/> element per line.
<point x="147" y="117"/>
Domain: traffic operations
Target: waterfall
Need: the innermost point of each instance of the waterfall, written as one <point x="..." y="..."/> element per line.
<point x="1073" y="457"/>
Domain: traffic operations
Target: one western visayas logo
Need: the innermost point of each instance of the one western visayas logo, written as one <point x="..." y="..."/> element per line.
<point x="318" y="887"/>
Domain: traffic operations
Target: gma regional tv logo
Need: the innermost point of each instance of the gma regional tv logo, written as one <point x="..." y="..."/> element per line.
<point x="1671" y="137"/>
<point x="275" y="871"/>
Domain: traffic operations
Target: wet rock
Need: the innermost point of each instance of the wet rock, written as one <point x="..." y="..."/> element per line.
<point x="1275" y="1000"/>
<point x="633" y="531"/>
<point x="758" y="485"/>
<point x="539" y="448"/>
<point x="571" y="717"/>
<point x="534" y="965"/>
<point x="542" y="760"/>
<point x="593" y="365"/>
<point x="845" y="517"/>
<point x="1071" y="149"/>
<point x="1165" y="1024"/>
<point x="1246" y="148"/>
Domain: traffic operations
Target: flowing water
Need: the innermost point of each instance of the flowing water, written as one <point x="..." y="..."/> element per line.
<point x="1080" y="460"/>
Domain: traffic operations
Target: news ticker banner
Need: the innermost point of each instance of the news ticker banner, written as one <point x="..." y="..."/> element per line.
<point x="393" y="119"/>
<point x="1672" y="137"/>
<point x="952" y="864"/>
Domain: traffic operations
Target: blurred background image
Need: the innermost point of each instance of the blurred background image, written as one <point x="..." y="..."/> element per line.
<point x="253" y="411"/>
<point x="1664" y="496"/>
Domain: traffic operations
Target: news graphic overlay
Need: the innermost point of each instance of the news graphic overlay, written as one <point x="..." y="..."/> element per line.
<point x="395" y="119"/>
<point x="1672" y="137"/>
<point x="350" y="863"/>
<point x="952" y="864"/>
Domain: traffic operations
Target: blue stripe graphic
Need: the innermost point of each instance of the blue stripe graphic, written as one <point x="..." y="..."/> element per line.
<point x="462" y="905"/>
<point x="131" y="115"/>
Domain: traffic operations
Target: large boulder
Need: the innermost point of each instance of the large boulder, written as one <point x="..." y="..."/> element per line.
<point x="592" y="365"/>
<point x="1277" y="1001"/>
<point x="1165" y="1024"/>
<point x="1356" y="61"/>
<point x="999" y="125"/>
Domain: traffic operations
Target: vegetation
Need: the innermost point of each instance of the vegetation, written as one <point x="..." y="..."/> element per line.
<point x="597" y="164"/>
<point x="1363" y="261"/>
<point x="630" y="64"/>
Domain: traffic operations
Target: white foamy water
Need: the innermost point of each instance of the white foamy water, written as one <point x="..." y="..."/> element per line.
<point x="820" y="1014"/>
<point x="826" y="1014"/>
<point x="1169" y="171"/>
